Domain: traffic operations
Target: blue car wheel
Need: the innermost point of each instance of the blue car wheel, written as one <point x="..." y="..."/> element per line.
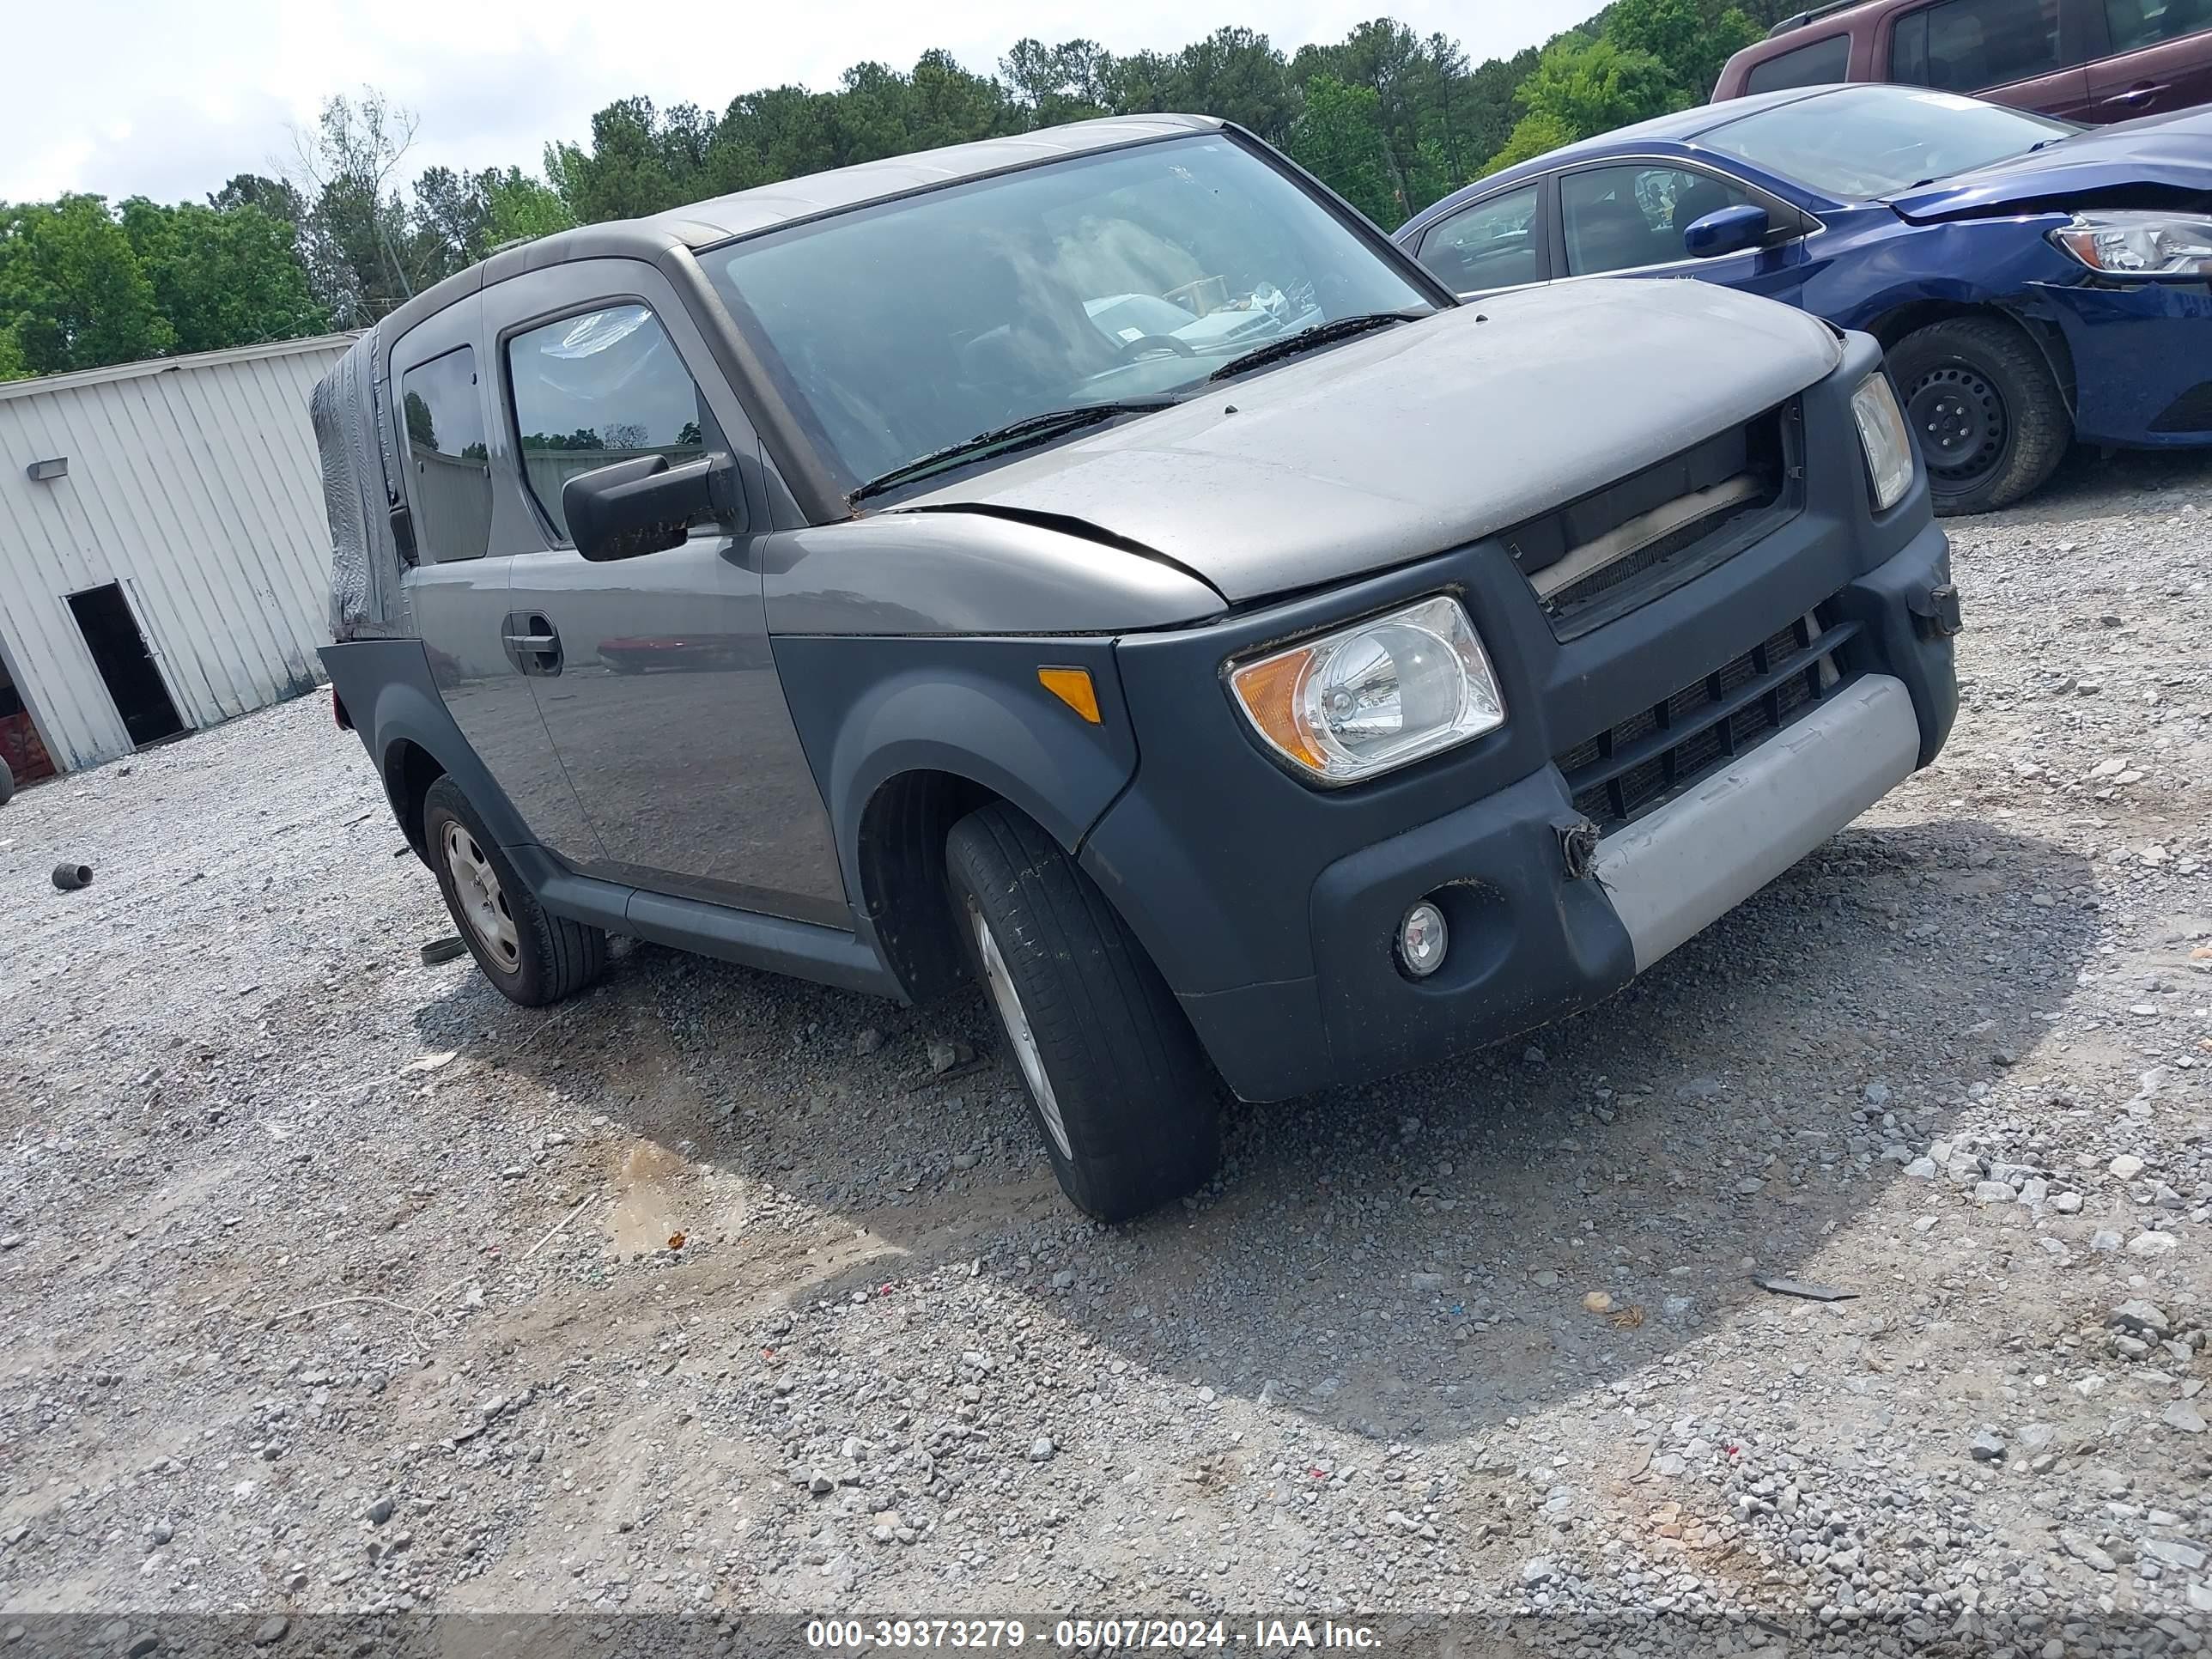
<point x="1988" y="414"/>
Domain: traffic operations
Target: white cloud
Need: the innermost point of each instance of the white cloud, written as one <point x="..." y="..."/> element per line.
<point x="175" y="97"/>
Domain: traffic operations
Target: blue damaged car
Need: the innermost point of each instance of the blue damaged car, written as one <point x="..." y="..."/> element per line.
<point x="2033" y="283"/>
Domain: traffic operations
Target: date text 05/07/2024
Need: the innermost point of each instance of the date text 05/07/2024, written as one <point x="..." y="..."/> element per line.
<point x="1091" y="1635"/>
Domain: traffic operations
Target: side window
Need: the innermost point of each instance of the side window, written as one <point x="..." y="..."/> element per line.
<point x="2138" y="23"/>
<point x="449" y="472"/>
<point x="1819" y="64"/>
<point x="595" y="389"/>
<point x="1973" y="43"/>
<point x="1618" y="218"/>
<point x="1491" y="244"/>
<point x="1908" y="50"/>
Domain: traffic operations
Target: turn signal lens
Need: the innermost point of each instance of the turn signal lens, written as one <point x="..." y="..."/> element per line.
<point x="1073" y="686"/>
<point x="1354" y="703"/>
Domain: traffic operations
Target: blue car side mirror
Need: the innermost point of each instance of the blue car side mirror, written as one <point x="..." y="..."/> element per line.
<point x="1729" y="231"/>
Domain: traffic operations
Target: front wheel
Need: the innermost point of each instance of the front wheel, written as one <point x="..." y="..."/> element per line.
<point x="1991" y="422"/>
<point x="7" y="784"/>
<point x="532" y="955"/>
<point x="1125" y="1102"/>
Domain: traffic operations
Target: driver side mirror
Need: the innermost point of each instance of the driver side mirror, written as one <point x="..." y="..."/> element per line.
<point x="645" y="506"/>
<point x="1731" y="230"/>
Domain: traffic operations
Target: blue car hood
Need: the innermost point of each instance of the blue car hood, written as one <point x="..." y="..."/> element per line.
<point x="2170" y="152"/>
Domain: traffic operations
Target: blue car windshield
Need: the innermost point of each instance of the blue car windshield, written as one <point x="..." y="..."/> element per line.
<point x="1876" y="141"/>
<point x="897" y="330"/>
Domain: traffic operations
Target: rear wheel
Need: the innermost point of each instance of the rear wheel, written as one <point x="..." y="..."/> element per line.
<point x="1121" y="1093"/>
<point x="7" y="784"/>
<point x="1987" y="411"/>
<point x="533" y="956"/>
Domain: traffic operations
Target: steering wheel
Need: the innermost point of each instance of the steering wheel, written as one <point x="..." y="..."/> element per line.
<point x="1133" y="349"/>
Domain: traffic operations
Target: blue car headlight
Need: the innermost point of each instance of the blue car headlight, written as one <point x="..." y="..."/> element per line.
<point x="2140" y="244"/>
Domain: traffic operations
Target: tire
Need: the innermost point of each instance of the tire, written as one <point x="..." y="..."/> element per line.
<point x="1123" y="1098"/>
<point x="7" y="784"/>
<point x="533" y="957"/>
<point x="1986" y="412"/>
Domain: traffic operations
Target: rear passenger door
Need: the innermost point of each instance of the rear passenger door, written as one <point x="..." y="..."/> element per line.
<point x="2152" y="55"/>
<point x="653" y="674"/>
<point x="1498" y="241"/>
<point x="440" y="408"/>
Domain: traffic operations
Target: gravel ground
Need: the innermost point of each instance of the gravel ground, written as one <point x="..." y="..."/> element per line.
<point x="336" y="1284"/>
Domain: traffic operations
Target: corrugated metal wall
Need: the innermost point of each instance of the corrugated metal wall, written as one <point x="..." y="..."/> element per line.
<point x="195" y="485"/>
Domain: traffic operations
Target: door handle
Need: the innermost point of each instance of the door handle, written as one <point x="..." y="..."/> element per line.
<point x="531" y="643"/>
<point x="2133" y="95"/>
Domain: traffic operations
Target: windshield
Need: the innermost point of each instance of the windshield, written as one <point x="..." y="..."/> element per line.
<point x="900" y="329"/>
<point x="1876" y="141"/>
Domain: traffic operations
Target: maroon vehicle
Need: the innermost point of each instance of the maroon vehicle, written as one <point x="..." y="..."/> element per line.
<point x="2094" y="61"/>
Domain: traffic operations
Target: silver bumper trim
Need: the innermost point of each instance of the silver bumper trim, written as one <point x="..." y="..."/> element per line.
<point x="1697" y="857"/>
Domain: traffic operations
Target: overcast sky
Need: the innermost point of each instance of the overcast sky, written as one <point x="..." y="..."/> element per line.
<point x="169" y="98"/>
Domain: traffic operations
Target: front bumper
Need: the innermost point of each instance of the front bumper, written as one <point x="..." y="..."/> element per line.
<point x="2143" y="360"/>
<point x="1271" y="908"/>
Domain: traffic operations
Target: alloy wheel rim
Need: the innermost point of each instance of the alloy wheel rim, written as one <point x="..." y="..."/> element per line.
<point x="1008" y="1001"/>
<point x="477" y="894"/>
<point x="1960" y="419"/>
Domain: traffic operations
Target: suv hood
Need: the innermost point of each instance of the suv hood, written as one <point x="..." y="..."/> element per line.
<point x="2172" y="152"/>
<point x="1405" y="442"/>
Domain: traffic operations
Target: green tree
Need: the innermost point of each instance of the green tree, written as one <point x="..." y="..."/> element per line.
<point x="1583" y="87"/>
<point x="521" y="208"/>
<point x="1691" y="42"/>
<point x="356" y="238"/>
<point x="221" y="277"/>
<point x="12" y="366"/>
<point x="1238" y="75"/>
<point x="274" y="197"/>
<point x="1339" y="138"/>
<point x="1051" y="85"/>
<point x="72" y="292"/>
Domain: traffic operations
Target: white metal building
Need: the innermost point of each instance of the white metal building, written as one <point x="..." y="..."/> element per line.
<point x="164" y="555"/>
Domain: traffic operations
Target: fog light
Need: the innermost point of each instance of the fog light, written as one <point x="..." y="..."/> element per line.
<point x="1422" y="939"/>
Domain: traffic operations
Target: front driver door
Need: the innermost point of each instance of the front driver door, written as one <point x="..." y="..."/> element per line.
<point x="655" y="674"/>
<point x="1626" y="219"/>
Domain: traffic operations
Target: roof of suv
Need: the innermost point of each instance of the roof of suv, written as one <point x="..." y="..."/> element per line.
<point x="702" y="224"/>
<point x="768" y="206"/>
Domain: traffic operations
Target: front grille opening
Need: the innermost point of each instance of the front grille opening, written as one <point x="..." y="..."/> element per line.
<point x="1622" y="546"/>
<point x="1645" y="760"/>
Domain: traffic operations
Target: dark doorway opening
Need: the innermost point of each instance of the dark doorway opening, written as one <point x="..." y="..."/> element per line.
<point x="119" y="651"/>
<point x="20" y="750"/>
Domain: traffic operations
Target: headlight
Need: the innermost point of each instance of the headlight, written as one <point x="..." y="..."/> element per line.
<point x="1361" y="700"/>
<point x="1882" y="436"/>
<point x="2140" y="244"/>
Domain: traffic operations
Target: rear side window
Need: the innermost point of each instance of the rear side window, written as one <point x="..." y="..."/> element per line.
<point x="1491" y="244"/>
<point x="1821" y="64"/>
<point x="595" y="389"/>
<point x="448" y="471"/>
<point x="1968" y="45"/>
<point x="2136" y="23"/>
<point x="1908" y="50"/>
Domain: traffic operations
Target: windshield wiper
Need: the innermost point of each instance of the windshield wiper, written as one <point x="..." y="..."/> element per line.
<point x="1290" y="345"/>
<point x="1031" y="429"/>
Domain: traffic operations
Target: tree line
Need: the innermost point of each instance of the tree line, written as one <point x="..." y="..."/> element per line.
<point x="1390" y="119"/>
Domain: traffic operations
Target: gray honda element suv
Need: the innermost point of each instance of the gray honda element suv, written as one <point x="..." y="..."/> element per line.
<point x="1096" y="564"/>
